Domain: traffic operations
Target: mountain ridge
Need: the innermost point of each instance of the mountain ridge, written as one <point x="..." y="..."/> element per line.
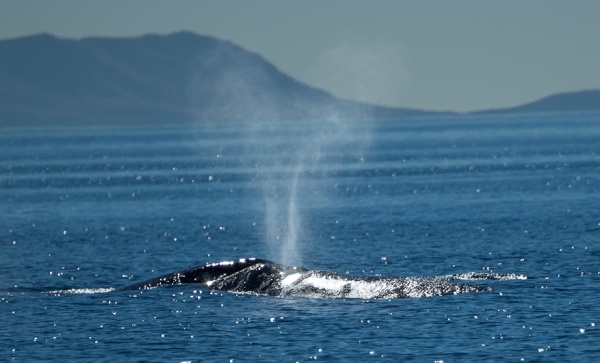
<point x="585" y="100"/>
<point x="166" y="79"/>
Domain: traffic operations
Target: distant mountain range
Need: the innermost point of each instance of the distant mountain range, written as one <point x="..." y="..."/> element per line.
<point x="568" y="101"/>
<point x="177" y="78"/>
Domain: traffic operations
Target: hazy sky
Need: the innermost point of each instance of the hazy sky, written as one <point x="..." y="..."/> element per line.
<point x="439" y="55"/>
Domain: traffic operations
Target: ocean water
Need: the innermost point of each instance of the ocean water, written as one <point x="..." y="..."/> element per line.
<point x="87" y="210"/>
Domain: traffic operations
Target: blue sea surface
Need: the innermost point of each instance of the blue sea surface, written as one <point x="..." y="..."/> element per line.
<point x="87" y="210"/>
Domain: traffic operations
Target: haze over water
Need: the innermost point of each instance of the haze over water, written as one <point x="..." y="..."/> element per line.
<point x="91" y="209"/>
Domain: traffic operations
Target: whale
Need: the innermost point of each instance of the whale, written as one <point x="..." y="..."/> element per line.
<point x="263" y="277"/>
<point x="214" y="273"/>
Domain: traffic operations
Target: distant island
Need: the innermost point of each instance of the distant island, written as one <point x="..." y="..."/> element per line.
<point x="177" y="78"/>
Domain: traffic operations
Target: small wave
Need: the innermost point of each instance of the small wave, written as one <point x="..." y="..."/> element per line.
<point x="487" y="276"/>
<point x="327" y="284"/>
<point x="99" y="290"/>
